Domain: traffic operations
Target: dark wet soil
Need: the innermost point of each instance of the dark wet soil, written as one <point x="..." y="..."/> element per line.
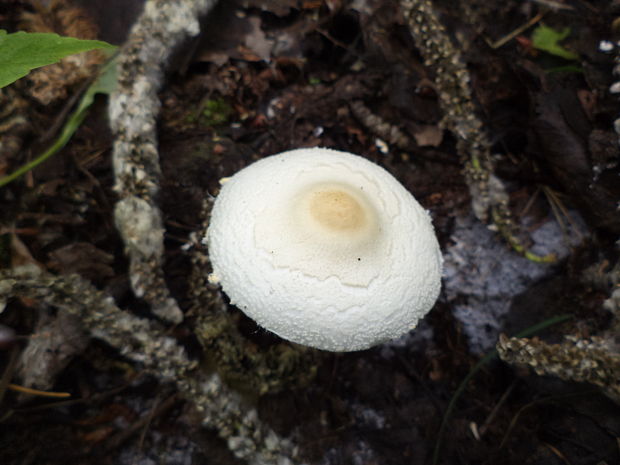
<point x="268" y="76"/>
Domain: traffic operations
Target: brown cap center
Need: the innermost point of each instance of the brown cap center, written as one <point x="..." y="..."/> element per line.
<point x="336" y="210"/>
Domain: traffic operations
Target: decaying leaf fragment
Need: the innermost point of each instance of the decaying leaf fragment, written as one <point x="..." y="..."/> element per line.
<point x="53" y="82"/>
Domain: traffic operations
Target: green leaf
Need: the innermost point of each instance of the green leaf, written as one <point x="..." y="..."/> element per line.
<point x="21" y="52"/>
<point x="104" y="84"/>
<point x="547" y="39"/>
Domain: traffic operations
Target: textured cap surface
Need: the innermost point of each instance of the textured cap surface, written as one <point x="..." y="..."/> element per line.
<point x="325" y="249"/>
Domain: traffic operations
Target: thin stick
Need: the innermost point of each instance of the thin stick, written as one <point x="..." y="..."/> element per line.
<point x="36" y="392"/>
<point x="507" y="38"/>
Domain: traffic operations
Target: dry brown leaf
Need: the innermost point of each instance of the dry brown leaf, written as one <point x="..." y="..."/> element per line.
<point x="428" y="135"/>
<point x="53" y="82"/>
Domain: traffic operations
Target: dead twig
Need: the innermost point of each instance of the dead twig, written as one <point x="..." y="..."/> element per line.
<point x="511" y="35"/>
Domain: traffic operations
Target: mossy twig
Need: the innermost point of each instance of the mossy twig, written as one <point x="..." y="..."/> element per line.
<point x="133" y="111"/>
<point x="453" y="84"/>
<point x="145" y="342"/>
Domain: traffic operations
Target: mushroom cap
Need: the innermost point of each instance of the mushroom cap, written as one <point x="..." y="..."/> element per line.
<point x="325" y="249"/>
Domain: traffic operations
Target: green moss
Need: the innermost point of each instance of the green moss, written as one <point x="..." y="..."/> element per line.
<point x="214" y="112"/>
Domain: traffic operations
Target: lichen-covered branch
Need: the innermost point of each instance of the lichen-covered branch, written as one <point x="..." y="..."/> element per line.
<point x="145" y="342"/>
<point x="140" y="340"/>
<point x="133" y="111"/>
<point x="390" y="133"/>
<point x="595" y="360"/>
<point x="453" y="86"/>
<point x="452" y="81"/>
<point x="592" y="361"/>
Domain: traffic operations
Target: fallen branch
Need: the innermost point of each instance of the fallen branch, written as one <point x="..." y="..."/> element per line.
<point x="145" y="342"/>
<point x="133" y="110"/>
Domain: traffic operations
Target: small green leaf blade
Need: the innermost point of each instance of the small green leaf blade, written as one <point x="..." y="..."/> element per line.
<point x="21" y="52"/>
<point x="548" y="40"/>
<point x="105" y="83"/>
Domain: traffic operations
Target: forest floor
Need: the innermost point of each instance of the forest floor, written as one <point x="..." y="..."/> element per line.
<point x="268" y="76"/>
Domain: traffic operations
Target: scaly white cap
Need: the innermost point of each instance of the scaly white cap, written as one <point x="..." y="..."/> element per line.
<point x="325" y="249"/>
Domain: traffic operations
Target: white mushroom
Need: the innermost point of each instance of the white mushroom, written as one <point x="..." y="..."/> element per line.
<point x="324" y="248"/>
